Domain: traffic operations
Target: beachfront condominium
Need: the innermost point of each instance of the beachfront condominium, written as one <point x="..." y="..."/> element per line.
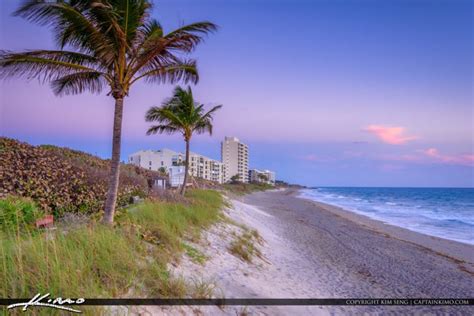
<point x="156" y="159"/>
<point x="235" y="157"/>
<point x="206" y="168"/>
<point x="262" y="176"/>
<point x="162" y="160"/>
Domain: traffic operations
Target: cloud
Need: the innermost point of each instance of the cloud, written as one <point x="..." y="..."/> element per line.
<point x="431" y="152"/>
<point x="430" y="155"/>
<point x="462" y="159"/>
<point x="390" y="135"/>
<point x="310" y="157"/>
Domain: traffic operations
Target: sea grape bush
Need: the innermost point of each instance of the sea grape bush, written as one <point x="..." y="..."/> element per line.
<point x="62" y="180"/>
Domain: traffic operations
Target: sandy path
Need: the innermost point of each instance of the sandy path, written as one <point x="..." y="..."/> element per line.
<point x="272" y="277"/>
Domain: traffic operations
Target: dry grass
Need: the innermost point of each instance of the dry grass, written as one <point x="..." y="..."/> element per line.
<point x="245" y="246"/>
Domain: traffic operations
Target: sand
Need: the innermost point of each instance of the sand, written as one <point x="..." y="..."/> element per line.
<point x="313" y="250"/>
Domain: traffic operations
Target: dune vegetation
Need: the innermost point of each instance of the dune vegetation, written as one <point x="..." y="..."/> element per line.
<point x="62" y="180"/>
<point x="246" y="188"/>
<point x="94" y="260"/>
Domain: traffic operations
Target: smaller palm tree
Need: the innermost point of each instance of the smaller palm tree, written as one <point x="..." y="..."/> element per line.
<point x="181" y="113"/>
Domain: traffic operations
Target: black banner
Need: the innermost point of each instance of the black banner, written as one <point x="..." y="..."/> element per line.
<point x="266" y="301"/>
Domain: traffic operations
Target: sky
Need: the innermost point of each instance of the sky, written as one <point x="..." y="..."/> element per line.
<point x="325" y="93"/>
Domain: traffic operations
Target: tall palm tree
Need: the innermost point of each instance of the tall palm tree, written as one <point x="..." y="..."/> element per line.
<point x="111" y="44"/>
<point x="181" y="113"/>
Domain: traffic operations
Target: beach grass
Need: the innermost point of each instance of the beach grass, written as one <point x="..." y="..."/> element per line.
<point x="194" y="254"/>
<point x="93" y="260"/>
<point x="18" y="213"/>
<point x="245" y="245"/>
<point x="246" y="188"/>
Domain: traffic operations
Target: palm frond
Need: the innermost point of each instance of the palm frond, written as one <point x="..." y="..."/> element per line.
<point x="185" y="71"/>
<point x="156" y="49"/>
<point x="60" y="55"/>
<point x="168" y="129"/>
<point x="149" y="31"/>
<point x="209" y="113"/>
<point x="202" y="127"/>
<point x="78" y="83"/>
<point x="163" y="115"/>
<point x="41" y="65"/>
<point x="72" y="23"/>
<point x="131" y="14"/>
<point x="187" y="37"/>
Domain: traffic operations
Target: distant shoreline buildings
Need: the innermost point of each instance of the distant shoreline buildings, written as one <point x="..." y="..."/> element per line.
<point x="262" y="176"/>
<point x="233" y="167"/>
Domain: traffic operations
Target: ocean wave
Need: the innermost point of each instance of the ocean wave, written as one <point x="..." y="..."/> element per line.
<point x="437" y="212"/>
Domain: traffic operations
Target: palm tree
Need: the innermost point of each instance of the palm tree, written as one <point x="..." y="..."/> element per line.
<point x="181" y="113"/>
<point x="113" y="44"/>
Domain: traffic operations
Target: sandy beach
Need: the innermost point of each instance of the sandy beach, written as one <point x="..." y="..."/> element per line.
<point x="313" y="250"/>
<point x="343" y="254"/>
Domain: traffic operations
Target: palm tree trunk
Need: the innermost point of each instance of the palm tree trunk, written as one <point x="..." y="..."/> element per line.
<point x="186" y="169"/>
<point x="114" y="164"/>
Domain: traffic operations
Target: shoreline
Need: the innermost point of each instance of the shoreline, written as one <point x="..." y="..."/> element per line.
<point x="345" y="255"/>
<point x="450" y="248"/>
<point x="313" y="250"/>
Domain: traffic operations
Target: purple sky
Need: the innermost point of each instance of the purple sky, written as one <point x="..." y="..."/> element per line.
<point x="336" y="93"/>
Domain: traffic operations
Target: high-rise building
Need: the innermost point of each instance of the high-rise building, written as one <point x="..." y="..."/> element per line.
<point x="235" y="157"/>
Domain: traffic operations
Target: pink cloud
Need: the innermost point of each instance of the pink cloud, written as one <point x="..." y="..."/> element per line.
<point x="310" y="157"/>
<point x="463" y="159"/>
<point x="431" y="152"/>
<point x="431" y="155"/>
<point x="390" y="135"/>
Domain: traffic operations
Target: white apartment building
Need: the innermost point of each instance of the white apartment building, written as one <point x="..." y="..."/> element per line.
<point x="199" y="166"/>
<point x="262" y="176"/>
<point x="235" y="157"/>
<point x="155" y="159"/>
<point x="206" y="168"/>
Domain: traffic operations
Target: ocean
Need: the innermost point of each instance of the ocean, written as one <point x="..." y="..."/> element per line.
<point x="442" y="212"/>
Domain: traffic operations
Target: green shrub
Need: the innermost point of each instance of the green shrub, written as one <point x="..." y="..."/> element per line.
<point x="17" y="213"/>
<point x="63" y="180"/>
